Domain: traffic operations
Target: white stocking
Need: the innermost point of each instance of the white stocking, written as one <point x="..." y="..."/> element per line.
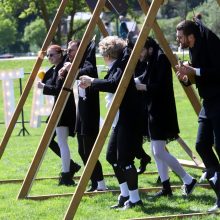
<point x="62" y="136"/>
<point x="161" y="153"/>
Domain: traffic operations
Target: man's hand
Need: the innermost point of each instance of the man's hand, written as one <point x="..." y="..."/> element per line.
<point x="64" y="70"/>
<point x="185" y="73"/>
<point x="67" y="65"/>
<point x="85" y="81"/>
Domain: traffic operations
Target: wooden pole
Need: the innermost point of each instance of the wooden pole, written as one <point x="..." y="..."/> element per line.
<point x="128" y="73"/>
<point x="60" y="103"/>
<point x="218" y="2"/>
<point x="32" y="77"/>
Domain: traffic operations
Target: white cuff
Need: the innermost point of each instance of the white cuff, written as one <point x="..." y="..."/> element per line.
<point x="137" y="81"/>
<point x="197" y="72"/>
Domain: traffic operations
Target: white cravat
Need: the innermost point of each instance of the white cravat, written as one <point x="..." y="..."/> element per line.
<point x="109" y="98"/>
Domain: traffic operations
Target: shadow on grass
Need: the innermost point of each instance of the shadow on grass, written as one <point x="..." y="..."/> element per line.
<point x="153" y="206"/>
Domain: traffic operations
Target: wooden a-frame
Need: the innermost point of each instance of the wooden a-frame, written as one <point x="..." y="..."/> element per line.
<point x="61" y="102"/>
<point x="142" y="3"/>
<point x="111" y="113"/>
<point x="46" y="138"/>
<point x="119" y="94"/>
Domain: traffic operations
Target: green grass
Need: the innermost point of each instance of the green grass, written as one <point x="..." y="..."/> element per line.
<point x="20" y="151"/>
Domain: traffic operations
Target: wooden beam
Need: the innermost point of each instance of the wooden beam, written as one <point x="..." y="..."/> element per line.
<point x="182" y="143"/>
<point x="179" y="216"/>
<point x="142" y="190"/>
<point x="32" y="76"/>
<point x="100" y="24"/>
<point x="188" y="163"/>
<point x="56" y="177"/>
<point x="190" y="92"/>
<point x="60" y="103"/>
<point x="128" y="73"/>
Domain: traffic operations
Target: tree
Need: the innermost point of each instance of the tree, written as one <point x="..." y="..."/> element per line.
<point x="7" y="33"/>
<point x="35" y="34"/>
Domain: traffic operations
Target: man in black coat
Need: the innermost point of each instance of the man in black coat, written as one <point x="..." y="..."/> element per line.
<point x="88" y="111"/>
<point x="203" y="70"/>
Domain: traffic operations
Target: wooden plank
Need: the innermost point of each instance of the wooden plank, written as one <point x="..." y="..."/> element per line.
<point x="60" y="103"/>
<point x="179" y="216"/>
<point x="191" y="164"/>
<point x="142" y="190"/>
<point x="100" y="24"/>
<point x="32" y="76"/>
<point x="128" y="73"/>
<point x="188" y="151"/>
<point x="190" y="92"/>
<point x="56" y="177"/>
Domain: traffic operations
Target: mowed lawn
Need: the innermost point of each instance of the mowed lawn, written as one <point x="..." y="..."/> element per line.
<point x="20" y="151"/>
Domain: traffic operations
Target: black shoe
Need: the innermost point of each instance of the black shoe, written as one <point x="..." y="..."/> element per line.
<point x="66" y="180"/>
<point x="74" y="168"/>
<point x="163" y="192"/>
<point x="143" y="163"/>
<point x="188" y="188"/>
<point x="92" y="189"/>
<point x="121" y="201"/>
<point x="128" y="204"/>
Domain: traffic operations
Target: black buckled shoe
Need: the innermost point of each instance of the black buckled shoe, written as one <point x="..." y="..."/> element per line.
<point x="121" y="201"/>
<point x="66" y="180"/>
<point x="188" y="188"/>
<point x="128" y="204"/>
<point x="74" y="168"/>
<point x="143" y="164"/>
<point x="163" y="192"/>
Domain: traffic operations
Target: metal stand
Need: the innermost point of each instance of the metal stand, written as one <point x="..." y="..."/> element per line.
<point x="23" y="129"/>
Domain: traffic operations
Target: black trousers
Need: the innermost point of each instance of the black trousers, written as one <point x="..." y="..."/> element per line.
<point x="208" y="137"/>
<point x="121" y="153"/>
<point x="85" y="144"/>
<point x="121" y="147"/>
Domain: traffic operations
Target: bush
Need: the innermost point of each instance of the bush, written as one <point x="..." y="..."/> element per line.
<point x="34" y="34"/>
<point x="7" y="33"/>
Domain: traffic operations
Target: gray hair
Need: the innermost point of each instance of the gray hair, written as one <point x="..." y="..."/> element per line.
<point x="112" y="46"/>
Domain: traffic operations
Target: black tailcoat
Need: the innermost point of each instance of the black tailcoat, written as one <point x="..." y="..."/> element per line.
<point x="160" y="102"/>
<point x="53" y="87"/>
<point x="88" y="113"/>
<point x="206" y="55"/>
<point x="127" y="133"/>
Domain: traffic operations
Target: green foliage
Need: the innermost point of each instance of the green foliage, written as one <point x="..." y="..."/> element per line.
<point x="35" y="34"/>
<point x="7" y="33"/>
<point x="210" y="12"/>
<point x="168" y="28"/>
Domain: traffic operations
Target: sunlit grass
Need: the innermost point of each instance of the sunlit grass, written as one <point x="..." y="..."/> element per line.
<point x="20" y="151"/>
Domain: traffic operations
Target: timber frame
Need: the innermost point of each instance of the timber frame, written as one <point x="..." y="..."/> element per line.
<point x="149" y="23"/>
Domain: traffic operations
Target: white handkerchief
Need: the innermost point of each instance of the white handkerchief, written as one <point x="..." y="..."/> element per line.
<point x="109" y="98"/>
